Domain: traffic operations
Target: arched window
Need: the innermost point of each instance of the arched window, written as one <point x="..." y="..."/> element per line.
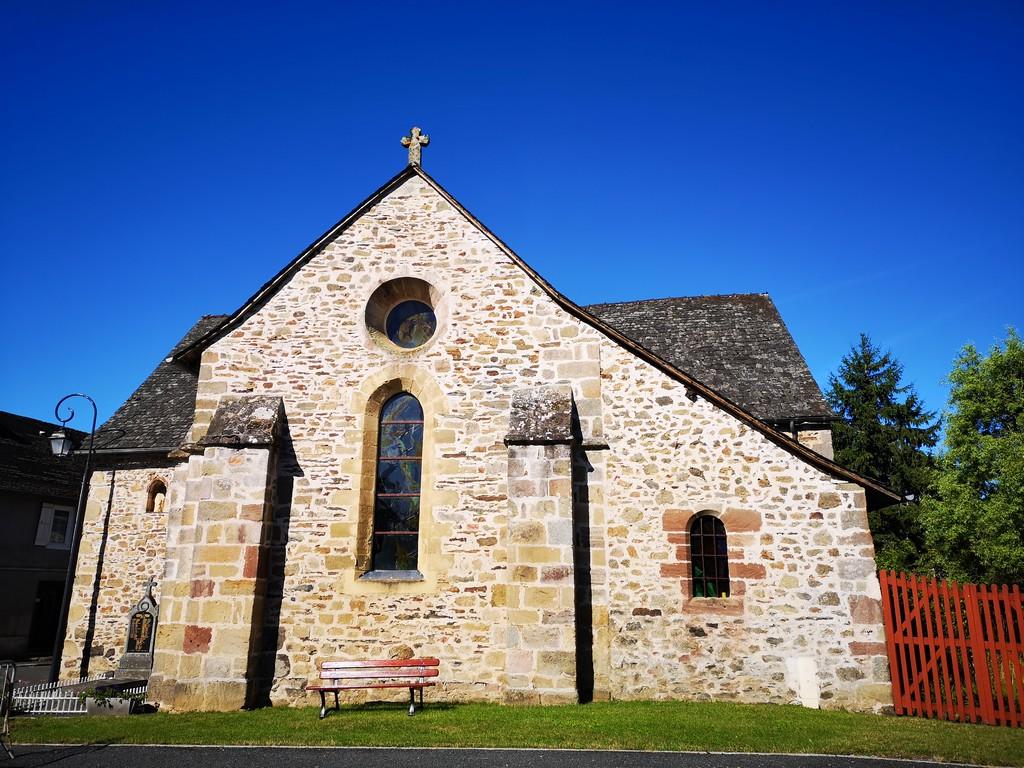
<point x="709" y="557"/>
<point x="157" y="496"/>
<point x="396" y="502"/>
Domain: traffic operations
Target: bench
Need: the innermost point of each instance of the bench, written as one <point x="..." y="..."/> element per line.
<point x="381" y="673"/>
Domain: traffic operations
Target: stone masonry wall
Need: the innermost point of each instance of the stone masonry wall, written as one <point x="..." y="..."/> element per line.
<point x="309" y="344"/>
<point x="803" y="621"/>
<point x="133" y="554"/>
<point x="213" y="584"/>
<point x="819" y="440"/>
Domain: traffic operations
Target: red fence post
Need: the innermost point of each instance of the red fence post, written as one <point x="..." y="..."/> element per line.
<point x="1016" y="625"/>
<point x="908" y="652"/>
<point x="955" y="651"/>
<point x="963" y="692"/>
<point x="889" y="622"/>
<point x="979" y="656"/>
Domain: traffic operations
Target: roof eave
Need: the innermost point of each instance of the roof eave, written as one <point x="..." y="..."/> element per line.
<point x="121" y="451"/>
<point x="811" y="456"/>
<point x="269" y="288"/>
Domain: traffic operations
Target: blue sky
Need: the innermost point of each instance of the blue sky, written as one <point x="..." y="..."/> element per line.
<point x="861" y="162"/>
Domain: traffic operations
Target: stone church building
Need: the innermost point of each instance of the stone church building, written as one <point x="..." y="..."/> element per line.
<point x="408" y="443"/>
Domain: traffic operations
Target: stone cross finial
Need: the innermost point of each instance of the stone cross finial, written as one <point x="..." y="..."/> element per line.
<point x="414" y="142"/>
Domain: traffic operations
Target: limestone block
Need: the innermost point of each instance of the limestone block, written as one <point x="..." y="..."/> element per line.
<point x="541" y="414"/>
<point x="244" y="421"/>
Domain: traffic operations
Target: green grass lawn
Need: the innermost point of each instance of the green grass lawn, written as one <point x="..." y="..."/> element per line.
<point x="618" y="725"/>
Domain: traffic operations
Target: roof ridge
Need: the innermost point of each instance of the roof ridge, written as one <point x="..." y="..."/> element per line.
<point x="677" y="298"/>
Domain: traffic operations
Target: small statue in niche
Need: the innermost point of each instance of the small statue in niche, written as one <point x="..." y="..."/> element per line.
<point x="157" y="496"/>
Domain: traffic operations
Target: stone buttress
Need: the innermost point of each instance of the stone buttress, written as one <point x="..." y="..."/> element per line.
<point x="214" y="585"/>
<point x="540" y="595"/>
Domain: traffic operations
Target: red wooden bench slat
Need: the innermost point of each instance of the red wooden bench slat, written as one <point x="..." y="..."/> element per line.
<point x="368" y="674"/>
<point x="379" y="685"/>
<point x="380" y="663"/>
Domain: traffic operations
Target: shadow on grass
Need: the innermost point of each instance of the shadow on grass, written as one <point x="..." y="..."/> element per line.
<point x="386" y="706"/>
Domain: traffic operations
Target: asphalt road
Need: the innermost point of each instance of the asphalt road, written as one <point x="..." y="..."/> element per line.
<point x="116" y="756"/>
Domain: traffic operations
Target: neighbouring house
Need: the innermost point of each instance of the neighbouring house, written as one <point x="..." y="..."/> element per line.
<point x="408" y="443"/>
<point x="38" y="494"/>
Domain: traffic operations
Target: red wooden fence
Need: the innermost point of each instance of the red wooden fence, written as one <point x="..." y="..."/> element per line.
<point x="956" y="651"/>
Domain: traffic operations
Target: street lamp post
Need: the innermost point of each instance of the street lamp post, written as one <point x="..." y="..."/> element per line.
<point x="60" y="444"/>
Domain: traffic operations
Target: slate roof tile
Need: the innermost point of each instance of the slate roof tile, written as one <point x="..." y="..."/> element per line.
<point x="737" y="344"/>
<point x="159" y="413"/>
<point x="27" y="464"/>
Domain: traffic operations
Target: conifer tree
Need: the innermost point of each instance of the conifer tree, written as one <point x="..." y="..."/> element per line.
<point x="885" y="432"/>
<point x="975" y="522"/>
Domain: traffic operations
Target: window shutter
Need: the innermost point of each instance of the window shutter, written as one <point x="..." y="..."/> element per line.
<point x="45" y="523"/>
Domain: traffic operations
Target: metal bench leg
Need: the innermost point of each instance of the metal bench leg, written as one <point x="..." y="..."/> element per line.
<point x="421" y="698"/>
<point x="323" y="706"/>
<point x="337" y="705"/>
<point x="412" y="702"/>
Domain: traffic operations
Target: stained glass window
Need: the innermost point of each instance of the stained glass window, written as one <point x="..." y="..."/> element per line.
<point x="410" y="324"/>
<point x="396" y="508"/>
<point x="709" y="557"/>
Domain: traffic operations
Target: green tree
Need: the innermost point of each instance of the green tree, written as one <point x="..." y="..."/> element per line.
<point x="974" y="524"/>
<point x="885" y="432"/>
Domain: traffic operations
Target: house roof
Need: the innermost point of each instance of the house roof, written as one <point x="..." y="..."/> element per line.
<point x="203" y="336"/>
<point x="736" y="344"/>
<point x="27" y="465"/>
<point x="158" y="415"/>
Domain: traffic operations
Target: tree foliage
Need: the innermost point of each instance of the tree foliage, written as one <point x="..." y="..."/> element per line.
<point x="975" y="522"/>
<point x="884" y="432"/>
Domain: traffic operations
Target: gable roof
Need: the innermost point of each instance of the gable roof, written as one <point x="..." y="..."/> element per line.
<point x="158" y="415"/>
<point x="737" y="344"/>
<point x="878" y="494"/>
<point x="27" y="465"/>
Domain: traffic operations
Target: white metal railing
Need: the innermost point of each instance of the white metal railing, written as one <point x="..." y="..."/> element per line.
<point x="60" y="698"/>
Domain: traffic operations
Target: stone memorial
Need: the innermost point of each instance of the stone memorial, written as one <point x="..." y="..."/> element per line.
<point x="138" y="656"/>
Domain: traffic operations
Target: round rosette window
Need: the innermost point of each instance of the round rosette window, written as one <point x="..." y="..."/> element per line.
<point x="404" y="313"/>
<point x="410" y="324"/>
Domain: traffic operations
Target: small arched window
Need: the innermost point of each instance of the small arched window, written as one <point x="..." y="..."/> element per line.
<point x="396" y="502"/>
<point x="709" y="557"/>
<point x="157" y="496"/>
